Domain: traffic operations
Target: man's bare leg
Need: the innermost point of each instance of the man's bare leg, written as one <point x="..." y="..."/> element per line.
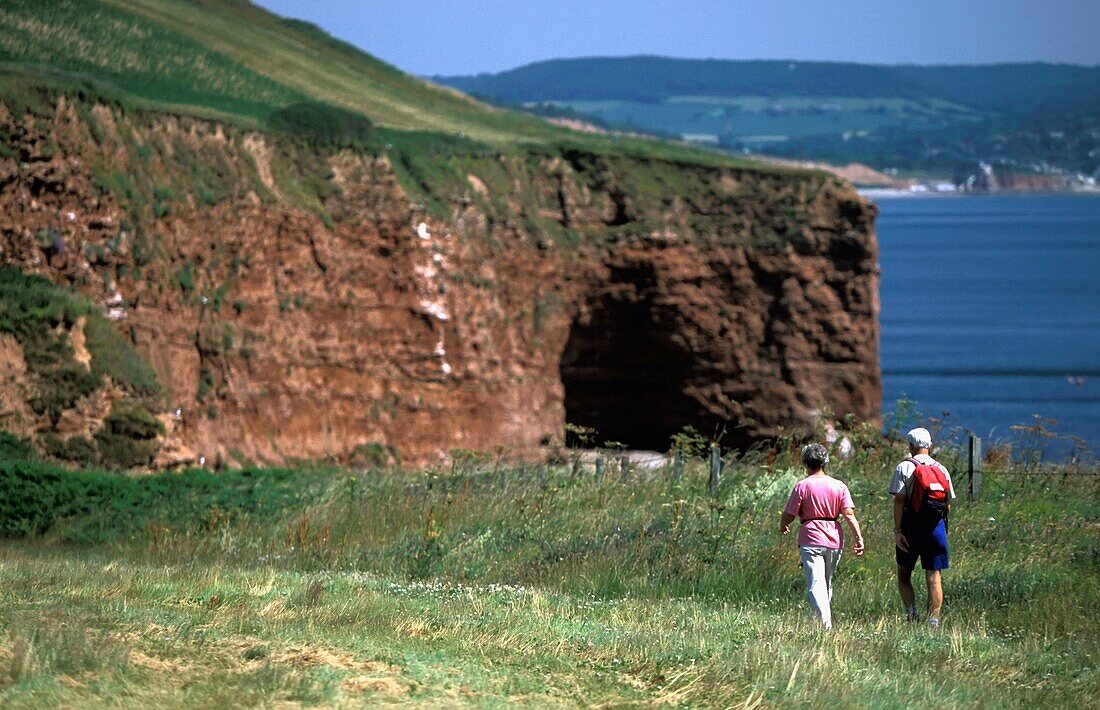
<point x="905" y="588"/>
<point x="935" y="592"/>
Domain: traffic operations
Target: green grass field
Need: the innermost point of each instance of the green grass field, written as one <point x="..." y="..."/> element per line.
<point x="480" y="584"/>
<point x="739" y="118"/>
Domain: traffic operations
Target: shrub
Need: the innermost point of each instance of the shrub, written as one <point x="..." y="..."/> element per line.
<point x="116" y="358"/>
<point x="12" y="447"/>
<point x="29" y="304"/>
<point x="23" y="510"/>
<point x="129" y="436"/>
<point x="185" y="279"/>
<point x="81" y="451"/>
<point x="60" y="388"/>
<point x="89" y="506"/>
<point x="76" y="449"/>
<point x="372" y="455"/>
<point x="38" y="313"/>
<point x="323" y="124"/>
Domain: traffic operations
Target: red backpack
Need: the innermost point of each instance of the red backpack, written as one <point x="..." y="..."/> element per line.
<point x="929" y="495"/>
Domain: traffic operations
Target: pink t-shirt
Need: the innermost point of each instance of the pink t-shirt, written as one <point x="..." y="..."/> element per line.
<point x="819" y="497"/>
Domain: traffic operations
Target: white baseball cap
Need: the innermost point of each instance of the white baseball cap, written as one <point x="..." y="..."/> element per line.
<point x="919" y="438"/>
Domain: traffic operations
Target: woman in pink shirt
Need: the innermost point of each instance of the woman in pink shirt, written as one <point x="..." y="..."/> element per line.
<point x="818" y="500"/>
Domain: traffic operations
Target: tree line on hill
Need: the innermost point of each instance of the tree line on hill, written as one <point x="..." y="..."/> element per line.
<point x="1038" y="117"/>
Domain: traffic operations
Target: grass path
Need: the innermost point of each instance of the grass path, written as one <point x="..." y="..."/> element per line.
<point x="87" y="628"/>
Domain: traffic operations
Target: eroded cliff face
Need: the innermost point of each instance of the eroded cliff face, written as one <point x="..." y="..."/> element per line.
<point x="300" y="304"/>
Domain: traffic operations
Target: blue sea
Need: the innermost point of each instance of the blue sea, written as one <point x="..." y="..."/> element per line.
<point x="991" y="312"/>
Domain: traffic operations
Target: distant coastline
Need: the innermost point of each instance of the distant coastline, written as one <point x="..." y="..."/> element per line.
<point x="986" y="181"/>
<point x="915" y="192"/>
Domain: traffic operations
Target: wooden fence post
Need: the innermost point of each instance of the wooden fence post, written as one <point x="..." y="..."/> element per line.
<point x="974" y="466"/>
<point x="677" y="466"/>
<point x="624" y="466"/>
<point x="715" y="468"/>
<point x="599" y="466"/>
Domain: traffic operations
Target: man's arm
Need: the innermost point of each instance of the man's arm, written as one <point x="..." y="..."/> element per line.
<point x="785" y="521"/>
<point x="850" y="516"/>
<point x="899" y="507"/>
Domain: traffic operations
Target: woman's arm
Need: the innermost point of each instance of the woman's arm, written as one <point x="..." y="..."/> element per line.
<point x="850" y="516"/>
<point x="785" y="521"/>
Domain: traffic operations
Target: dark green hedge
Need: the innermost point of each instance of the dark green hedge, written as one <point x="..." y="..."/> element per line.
<point x="323" y="124"/>
<point x="37" y="498"/>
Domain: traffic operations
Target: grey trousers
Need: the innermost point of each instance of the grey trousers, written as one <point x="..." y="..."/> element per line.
<point x="819" y="564"/>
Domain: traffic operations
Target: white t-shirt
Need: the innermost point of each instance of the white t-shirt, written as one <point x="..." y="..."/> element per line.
<point x="902" y="482"/>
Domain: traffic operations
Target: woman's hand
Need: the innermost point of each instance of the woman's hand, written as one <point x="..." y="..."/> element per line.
<point x="859" y="547"/>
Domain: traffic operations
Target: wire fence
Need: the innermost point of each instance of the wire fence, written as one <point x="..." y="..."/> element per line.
<point x="1040" y="473"/>
<point x="711" y="471"/>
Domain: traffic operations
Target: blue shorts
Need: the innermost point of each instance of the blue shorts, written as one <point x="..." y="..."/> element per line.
<point x="929" y="546"/>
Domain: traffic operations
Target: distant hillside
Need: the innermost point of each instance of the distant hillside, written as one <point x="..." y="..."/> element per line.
<point x="1035" y="116"/>
<point x="654" y="79"/>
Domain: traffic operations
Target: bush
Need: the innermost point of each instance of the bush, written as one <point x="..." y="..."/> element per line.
<point x="129" y="436"/>
<point x="372" y="455"/>
<point x="323" y="124"/>
<point x="114" y="357"/>
<point x="59" y="388"/>
<point x="12" y="447"/>
<point x="38" y="313"/>
<point x="35" y="495"/>
<point x="76" y="449"/>
<point x="38" y="498"/>
<point x="81" y="451"/>
<point x="31" y="304"/>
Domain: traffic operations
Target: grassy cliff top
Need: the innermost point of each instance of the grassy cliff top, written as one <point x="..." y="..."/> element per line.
<point x="232" y="61"/>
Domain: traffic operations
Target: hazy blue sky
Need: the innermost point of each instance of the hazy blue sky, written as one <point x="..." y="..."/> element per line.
<point x="470" y="36"/>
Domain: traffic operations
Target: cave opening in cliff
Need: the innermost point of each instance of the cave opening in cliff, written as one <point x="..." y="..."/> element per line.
<point x="625" y="375"/>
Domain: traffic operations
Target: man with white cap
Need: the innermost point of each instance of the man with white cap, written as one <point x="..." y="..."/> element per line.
<point x="923" y="494"/>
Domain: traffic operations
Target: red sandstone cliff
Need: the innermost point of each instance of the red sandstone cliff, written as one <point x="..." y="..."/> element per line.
<point x="302" y="312"/>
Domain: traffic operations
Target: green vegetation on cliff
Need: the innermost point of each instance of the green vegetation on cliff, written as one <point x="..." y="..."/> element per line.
<point x="236" y="62"/>
<point x="44" y="319"/>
